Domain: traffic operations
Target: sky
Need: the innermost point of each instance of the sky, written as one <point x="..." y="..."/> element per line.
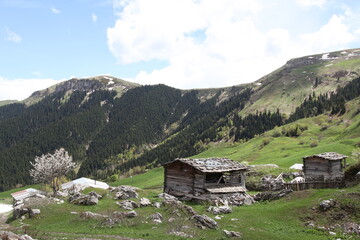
<point x="181" y="43"/>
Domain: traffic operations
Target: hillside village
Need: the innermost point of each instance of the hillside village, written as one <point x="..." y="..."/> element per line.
<point x="212" y="163"/>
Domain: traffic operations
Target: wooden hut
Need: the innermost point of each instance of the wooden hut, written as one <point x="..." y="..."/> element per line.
<point x="194" y="177"/>
<point x="325" y="166"/>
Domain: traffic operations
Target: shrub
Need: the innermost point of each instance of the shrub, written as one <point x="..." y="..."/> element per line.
<point x="112" y="178"/>
<point x="351" y="171"/>
<point x="265" y="142"/>
<point x="276" y="134"/>
<point x="314" y="144"/>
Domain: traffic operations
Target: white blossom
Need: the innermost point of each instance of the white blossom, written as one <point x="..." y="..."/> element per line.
<point x="50" y="167"/>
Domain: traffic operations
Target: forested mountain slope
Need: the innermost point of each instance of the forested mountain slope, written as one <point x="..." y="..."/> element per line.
<point x="111" y="126"/>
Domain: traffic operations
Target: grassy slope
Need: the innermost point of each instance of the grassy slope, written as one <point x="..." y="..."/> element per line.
<point x="279" y="219"/>
<point x="341" y="135"/>
<point x="287" y="87"/>
<point x="270" y="220"/>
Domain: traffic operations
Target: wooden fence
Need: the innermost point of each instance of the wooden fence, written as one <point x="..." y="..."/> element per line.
<point x="314" y="185"/>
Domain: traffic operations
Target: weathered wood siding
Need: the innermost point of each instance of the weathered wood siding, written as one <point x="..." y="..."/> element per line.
<point x="179" y="177"/>
<point x="199" y="182"/>
<point x="318" y="166"/>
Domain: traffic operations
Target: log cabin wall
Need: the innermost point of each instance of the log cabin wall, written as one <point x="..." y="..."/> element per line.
<point x="199" y="182"/>
<point x="179" y="177"/>
<point x="322" y="167"/>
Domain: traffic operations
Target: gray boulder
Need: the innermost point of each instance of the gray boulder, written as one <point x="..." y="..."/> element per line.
<point x="98" y="196"/>
<point x="128" y="204"/>
<point x="34" y="212"/>
<point x="130" y="214"/>
<point x="157" y="217"/>
<point x="166" y="196"/>
<point x="82" y="199"/>
<point x="327" y="204"/>
<point x="232" y="234"/>
<point x="144" y="202"/>
<point x="204" y="221"/>
<point x="220" y="210"/>
<point x="125" y="192"/>
<point x="157" y="204"/>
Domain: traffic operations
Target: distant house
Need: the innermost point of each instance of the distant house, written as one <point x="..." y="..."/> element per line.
<point x="297" y="166"/>
<point x="85" y="182"/>
<point x="193" y="177"/>
<point x="324" y="166"/>
<point x="21" y="195"/>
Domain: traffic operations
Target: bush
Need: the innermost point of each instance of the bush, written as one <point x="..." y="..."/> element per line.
<point x="351" y="171"/>
<point x="276" y="134"/>
<point x="112" y="178"/>
<point x="265" y="142"/>
<point x="314" y="144"/>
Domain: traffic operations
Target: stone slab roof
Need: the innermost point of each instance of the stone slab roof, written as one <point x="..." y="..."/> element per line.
<point x="221" y="189"/>
<point x="212" y="164"/>
<point x="328" y="156"/>
<point x="26" y="193"/>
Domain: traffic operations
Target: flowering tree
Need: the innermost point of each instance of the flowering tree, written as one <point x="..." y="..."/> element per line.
<point x="49" y="168"/>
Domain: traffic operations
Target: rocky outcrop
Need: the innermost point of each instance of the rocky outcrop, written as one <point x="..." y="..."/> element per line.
<point x="82" y="199"/>
<point x="166" y="196"/>
<point x="5" y="235"/>
<point x="128" y="204"/>
<point x="144" y="202"/>
<point x="125" y="192"/>
<point x="327" y="204"/>
<point x="219" y="210"/>
<point x="203" y="221"/>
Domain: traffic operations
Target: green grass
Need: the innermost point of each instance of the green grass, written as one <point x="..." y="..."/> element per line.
<point x="280" y="219"/>
<point x="153" y="178"/>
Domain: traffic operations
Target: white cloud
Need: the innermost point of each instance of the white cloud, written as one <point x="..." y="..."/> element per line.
<point x="19" y="89"/>
<point x="232" y="49"/>
<point x="334" y="35"/>
<point x="12" y="37"/>
<point x="310" y="3"/>
<point x="56" y="11"/>
<point x="94" y="18"/>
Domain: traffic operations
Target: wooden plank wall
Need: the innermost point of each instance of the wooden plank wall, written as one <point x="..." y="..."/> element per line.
<point x="179" y="178"/>
<point x="316" y="166"/>
<point x="199" y="182"/>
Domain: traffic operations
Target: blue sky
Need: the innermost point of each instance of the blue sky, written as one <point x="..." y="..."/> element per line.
<point x="181" y="43"/>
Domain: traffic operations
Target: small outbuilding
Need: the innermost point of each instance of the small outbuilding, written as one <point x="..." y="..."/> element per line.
<point x="194" y="177"/>
<point x="324" y="166"/>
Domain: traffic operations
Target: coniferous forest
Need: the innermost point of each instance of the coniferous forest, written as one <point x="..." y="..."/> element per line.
<point x="145" y="127"/>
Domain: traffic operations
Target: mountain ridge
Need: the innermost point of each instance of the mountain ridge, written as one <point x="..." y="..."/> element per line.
<point x="111" y="126"/>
